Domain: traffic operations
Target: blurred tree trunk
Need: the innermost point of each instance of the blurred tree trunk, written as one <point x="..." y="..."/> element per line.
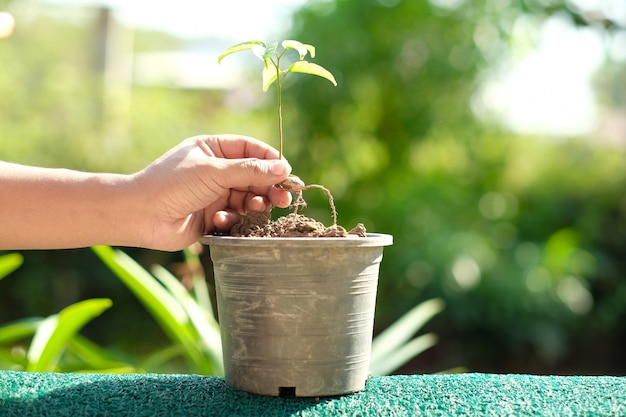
<point x="113" y="62"/>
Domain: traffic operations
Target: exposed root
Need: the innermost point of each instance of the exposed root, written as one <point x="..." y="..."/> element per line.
<point x="295" y="185"/>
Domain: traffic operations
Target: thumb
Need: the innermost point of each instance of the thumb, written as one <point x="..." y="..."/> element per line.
<point x="246" y="172"/>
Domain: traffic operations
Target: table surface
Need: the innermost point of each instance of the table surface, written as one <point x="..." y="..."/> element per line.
<point x="473" y="394"/>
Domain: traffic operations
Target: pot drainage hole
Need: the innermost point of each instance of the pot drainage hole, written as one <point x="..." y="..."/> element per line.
<point x="287" y="392"/>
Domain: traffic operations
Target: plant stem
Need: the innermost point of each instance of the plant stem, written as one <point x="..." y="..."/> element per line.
<point x="280" y="110"/>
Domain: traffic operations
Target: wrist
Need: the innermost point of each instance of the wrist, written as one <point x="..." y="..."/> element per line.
<point x="125" y="211"/>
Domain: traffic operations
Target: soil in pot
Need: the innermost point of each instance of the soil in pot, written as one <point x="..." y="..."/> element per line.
<point x="294" y="224"/>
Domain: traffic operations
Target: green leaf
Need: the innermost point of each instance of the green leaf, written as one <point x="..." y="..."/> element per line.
<point x="147" y="289"/>
<point x="165" y="309"/>
<point x="306" y="67"/>
<point x="389" y="348"/>
<point x="157" y="359"/>
<point x="121" y="370"/>
<point x="244" y="46"/>
<point x="404" y="354"/>
<point x="9" y="263"/>
<point x="94" y="356"/>
<point x="268" y="53"/>
<point x="54" y="333"/>
<point x="205" y="325"/>
<point x="20" y="329"/>
<point x="302" y="48"/>
<point x="270" y="75"/>
<point x="259" y="52"/>
<point x="12" y="359"/>
<point x="200" y="288"/>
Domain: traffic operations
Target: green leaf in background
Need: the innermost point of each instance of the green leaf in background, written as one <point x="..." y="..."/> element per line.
<point x="306" y="67"/>
<point x="392" y="348"/>
<point x="19" y="329"/>
<point x="9" y="263"/>
<point x="13" y="359"/>
<point x="50" y="343"/>
<point x="200" y="288"/>
<point x="205" y="324"/>
<point x="404" y="353"/>
<point x="94" y="358"/>
<point x="160" y="357"/>
<point x="164" y="307"/>
<point x="54" y="333"/>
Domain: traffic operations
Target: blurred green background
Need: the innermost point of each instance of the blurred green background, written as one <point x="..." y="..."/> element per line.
<point x="521" y="230"/>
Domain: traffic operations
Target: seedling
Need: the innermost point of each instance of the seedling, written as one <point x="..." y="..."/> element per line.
<point x="273" y="72"/>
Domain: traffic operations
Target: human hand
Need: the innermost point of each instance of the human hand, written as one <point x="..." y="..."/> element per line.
<point x="204" y="185"/>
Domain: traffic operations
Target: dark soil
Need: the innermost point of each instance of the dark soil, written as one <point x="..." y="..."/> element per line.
<point x="292" y="225"/>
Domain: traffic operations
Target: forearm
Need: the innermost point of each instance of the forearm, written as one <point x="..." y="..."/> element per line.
<point x="43" y="208"/>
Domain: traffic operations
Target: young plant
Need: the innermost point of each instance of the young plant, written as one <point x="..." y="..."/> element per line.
<point x="272" y="58"/>
<point x="275" y="72"/>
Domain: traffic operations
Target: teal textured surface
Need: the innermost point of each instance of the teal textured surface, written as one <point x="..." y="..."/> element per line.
<point x="34" y="394"/>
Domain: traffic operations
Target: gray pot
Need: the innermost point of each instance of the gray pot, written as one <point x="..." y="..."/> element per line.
<point x="296" y="314"/>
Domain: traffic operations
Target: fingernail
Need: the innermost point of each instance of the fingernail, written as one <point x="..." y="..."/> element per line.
<point x="280" y="168"/>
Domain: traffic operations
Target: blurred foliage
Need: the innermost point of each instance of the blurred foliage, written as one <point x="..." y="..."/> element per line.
<point x="55" y="344"/>
<point x="395" y="346"/>
<point x="520" y="235"/>
<point x="185" y="316"/>
<point x="523" y="237"/>
<point x="55" y="110"/>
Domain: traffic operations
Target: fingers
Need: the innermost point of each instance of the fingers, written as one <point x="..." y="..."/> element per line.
<point x="235" y="146"/>
<point x="224" y="220"/>
<point x="251" y="172"/>
<point x="242" y="161"/>
<point x="278" y="197"/>
<point x="243" y="203"/>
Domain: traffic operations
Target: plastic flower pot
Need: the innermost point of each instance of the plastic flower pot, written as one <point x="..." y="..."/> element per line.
<point x="296" y="314"/>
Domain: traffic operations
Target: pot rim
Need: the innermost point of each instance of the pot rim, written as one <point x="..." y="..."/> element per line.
<point x="371" y="239"/>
